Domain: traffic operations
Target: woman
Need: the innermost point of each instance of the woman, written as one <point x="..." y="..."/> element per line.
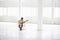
<point x="21" y="22"/>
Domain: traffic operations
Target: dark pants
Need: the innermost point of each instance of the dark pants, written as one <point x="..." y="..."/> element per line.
<point x="20" y="26"/>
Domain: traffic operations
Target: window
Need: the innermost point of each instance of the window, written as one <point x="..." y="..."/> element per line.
<point x="29" y="11"/>
<point x="3" y="11"/>
<point x="10" y="11"/>
<point x="13" y="11"/>
<point x="56" y="12"/>
<point x="47" y="12"/>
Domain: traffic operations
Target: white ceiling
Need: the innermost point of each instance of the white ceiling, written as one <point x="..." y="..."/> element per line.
<point x="34" y="3"/>
<point x="9" y="3"/>
<point x="12" y="3"/>
<point x="50" y="3"/>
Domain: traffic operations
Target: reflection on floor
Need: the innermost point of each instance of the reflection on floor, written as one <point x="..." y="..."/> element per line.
<point x="10" y="31"/>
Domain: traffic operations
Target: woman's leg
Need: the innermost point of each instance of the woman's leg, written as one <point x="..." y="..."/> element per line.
<point x="21" y="27"/>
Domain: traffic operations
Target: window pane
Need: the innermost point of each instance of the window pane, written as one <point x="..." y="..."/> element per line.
<point x="47" y="12"/>
<point x="56" y="12"/>
<point x="1" y="11"/>
<point x="5" y="11"/>
<point x="13" y="11"/>
<point x="29" y="11"/>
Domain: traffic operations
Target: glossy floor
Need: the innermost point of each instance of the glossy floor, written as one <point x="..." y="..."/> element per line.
<point x="10" y="31"/>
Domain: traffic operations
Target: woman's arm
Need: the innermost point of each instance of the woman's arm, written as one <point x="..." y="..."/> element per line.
<point x="26" y="21"/>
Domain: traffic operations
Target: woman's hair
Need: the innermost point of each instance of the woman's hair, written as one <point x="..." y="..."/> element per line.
<point x="21" y="17"/>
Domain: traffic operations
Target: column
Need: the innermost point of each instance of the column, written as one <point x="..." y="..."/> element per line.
<point x="39" y="19"/>
<point x="20" y="5"/>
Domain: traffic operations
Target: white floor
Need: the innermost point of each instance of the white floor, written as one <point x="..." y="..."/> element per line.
<point x="10" y="31"/>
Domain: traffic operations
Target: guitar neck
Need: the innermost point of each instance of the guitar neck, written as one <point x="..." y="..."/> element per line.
<point x="26" y="20"/>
